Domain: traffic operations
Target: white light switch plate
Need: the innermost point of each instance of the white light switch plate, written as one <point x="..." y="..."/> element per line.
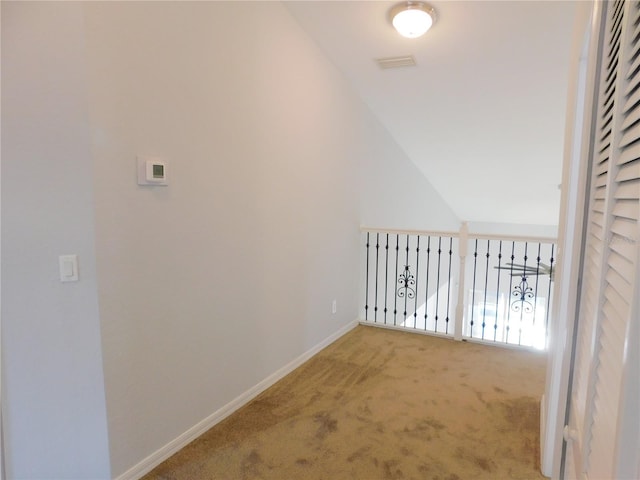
<point x="68" y="268"/>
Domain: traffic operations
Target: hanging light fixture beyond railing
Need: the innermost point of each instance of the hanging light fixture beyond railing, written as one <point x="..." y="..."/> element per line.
<point x="412" y="19"/>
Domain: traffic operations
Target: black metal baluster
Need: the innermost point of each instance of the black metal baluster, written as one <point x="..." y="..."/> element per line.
<point x="426" y="290"/>
<point x="406" y="266"/>
<point x="375" y="309"/>
<point x="486" y="281"/>
<point x="366" y="290"/>
<point x="513" y="247"/>
<point x="546" y="321"/>
<point x="473" y="290"/>
<point x="446" y="328"/>
<point x="524" y="292"/>
<point x="524" y="287"/>
<point x="438" y="283"/>
<point x="415" y="303"/>
<point x="535" y="293"/>
<point x="395" y="297"/>
<point x="495" y="325"/>
<point x="386" y="277"/>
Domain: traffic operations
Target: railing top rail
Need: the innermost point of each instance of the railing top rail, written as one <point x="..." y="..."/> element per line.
<point x="515" y="238"/>
<point x="395" y="231"/>
<point x="471" y="235"/>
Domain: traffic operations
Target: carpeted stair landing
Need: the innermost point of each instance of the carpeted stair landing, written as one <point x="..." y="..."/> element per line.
<point x="382" y="404"/>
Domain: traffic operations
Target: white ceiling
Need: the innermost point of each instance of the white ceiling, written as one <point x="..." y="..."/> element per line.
<point x="482" y="114"/>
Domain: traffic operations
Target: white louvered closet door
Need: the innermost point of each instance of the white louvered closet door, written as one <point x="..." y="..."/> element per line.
<point x="610" y="267"/>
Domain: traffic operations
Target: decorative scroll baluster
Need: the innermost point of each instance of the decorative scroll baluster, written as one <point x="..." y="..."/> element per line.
<point x="406" y="281"/>
<point x="524" y="278"/>
<point x="524" y="293"/>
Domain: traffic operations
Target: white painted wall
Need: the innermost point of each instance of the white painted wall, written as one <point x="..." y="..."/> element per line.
<point x="53" y="391"/>
<point x="394" y="193"/>
<point x="190" y="295"/>
<point x="507" y="229"/>
<point x="212" y="284"/>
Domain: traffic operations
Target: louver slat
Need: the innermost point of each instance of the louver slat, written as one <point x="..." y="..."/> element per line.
<point x="598" y="206"/>
<point x="633" y="51"/>
<point x="618" y="303"/>
<point x="630" y="136"/>
<point x="602" y="167"/>
<point x="620" y="268"/>
<point x="630" y="153"/>
<point x="632" y="86"/>
<point x="623" y="247"/>
<point x="633" y="70"/>
<point x="629" y="172"/>
<point x="627" y="190"/>
<point x="632" y="117"/>
<point x="600" y="193"/>
<point x="627" y="208"/>
<point x="606" y="129"/>
<point x="603" y="157"/>
<point x="631" y="101"/>
<point x="600" y="181"/>
<point x="624" y="228"/>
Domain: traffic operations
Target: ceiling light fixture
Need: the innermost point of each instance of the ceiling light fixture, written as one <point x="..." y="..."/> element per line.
<point x="412" y="19"/>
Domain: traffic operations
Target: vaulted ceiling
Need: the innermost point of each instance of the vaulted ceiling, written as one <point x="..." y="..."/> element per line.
<point x="482" y="114"/>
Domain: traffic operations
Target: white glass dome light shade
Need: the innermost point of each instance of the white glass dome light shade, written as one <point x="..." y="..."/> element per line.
<point x="412" y="19"/>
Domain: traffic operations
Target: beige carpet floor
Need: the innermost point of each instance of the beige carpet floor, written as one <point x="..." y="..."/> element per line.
<point x="381" y="404"/>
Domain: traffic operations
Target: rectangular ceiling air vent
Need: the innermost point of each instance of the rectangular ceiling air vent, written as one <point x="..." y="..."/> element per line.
<point x="396" y="62"/>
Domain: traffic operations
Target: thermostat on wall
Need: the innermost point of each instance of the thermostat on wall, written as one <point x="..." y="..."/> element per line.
<point x="152" y="171"/>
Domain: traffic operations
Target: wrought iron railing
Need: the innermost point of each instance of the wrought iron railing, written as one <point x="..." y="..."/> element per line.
<point x="480" y="287"/>
<point x="408" y="280"/>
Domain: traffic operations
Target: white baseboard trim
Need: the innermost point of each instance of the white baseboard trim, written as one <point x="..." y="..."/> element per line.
<point x="156" y="458"/>
<point x="544" y="468"/>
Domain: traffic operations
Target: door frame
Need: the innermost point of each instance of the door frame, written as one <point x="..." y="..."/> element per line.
<point x="581" y="106"/>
